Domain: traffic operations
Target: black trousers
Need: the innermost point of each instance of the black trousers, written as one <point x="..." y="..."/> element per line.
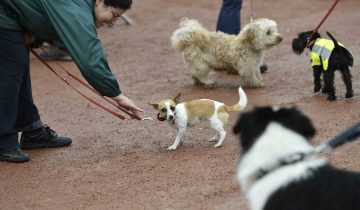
<point x="229" y="17"/>
<point x="17" y="110"/>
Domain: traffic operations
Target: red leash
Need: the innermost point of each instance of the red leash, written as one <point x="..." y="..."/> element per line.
<point x="87" y="86"/>
<point x="322" y="21"/>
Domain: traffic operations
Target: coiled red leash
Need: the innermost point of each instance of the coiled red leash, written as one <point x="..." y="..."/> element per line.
<point x="88" y="87"/>
<point x="322" y="21"/>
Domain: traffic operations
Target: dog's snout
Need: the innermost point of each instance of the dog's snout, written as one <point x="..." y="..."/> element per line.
<point x="279" y="38"/>
<point x="171" y="117"/>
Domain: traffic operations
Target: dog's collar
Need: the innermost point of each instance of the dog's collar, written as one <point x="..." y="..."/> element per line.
<point x="311" y="44"/>
<point x="173" y="120"/>
<point x="291" y="159"/>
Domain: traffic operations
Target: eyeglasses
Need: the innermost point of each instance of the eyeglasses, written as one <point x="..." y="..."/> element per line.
<point x="115" y="14"/>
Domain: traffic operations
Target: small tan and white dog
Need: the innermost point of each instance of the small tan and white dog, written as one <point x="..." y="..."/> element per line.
<point x="185" y="114"/>
<point x="243" y="54"/>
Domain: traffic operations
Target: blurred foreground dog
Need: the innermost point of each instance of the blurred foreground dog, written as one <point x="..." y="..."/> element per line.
<point x="277" y="171"/>
<point x="327" y="56"/>
<point x="204" y="50"/>
<point x="185" y="114"/>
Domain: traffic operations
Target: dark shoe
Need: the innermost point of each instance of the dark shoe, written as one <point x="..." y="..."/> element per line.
<point x="44" y="139"/>
<point x="15" y="156"/>
<point x="263" y="68"/>
<point x="55" y="53"/>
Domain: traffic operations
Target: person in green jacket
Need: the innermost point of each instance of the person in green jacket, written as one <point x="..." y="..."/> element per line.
<point x="74" y="22"/>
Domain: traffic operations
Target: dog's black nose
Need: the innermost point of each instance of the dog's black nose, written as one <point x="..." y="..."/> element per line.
<point x="171" y="117"/>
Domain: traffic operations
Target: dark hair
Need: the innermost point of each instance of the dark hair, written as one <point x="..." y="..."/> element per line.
<point x="122" y="4"/>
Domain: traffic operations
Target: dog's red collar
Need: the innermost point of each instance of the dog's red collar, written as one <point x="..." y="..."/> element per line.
<point x="310" y="43"/>
<point x="173" y="121"/>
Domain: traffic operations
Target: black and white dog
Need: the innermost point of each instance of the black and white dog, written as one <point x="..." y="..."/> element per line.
<point x="278" y="171"/>
<point x="327" y="56"/>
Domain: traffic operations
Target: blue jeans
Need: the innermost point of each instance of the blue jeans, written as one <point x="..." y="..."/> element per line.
<point x="229" y="17"/>
<point x="17" y="109"/>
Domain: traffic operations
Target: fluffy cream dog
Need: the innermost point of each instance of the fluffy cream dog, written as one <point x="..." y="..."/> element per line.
<point x="204" y="50"/>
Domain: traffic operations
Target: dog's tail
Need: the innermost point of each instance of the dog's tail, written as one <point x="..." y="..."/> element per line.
<point x="348" y="55"/>
<point x="190" y="31"/>
<point x="333" y="39"/>
<point x="240" y="105"/>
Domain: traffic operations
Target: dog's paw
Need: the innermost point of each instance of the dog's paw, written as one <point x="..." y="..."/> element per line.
<point x="331" y="98"/>
<point x="259" y="85"/>
<point x="213" y="139"/>
<point x="204" y="85"/>
<point x="317" y="88"/>
<point x="204" y="82"/>
<point x="172" y="147"/>
<point x="218" y="145"/>
<point x="349" y="95"/>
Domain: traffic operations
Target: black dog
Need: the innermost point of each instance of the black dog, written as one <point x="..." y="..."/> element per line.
<point x="326" y="60"/>
<point x="278" y="171"/>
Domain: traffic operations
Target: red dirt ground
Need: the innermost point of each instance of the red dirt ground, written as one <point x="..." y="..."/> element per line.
<point x="114" y="164"/>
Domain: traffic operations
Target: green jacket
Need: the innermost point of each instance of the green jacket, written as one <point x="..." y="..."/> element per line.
<point x="73" y="22"/>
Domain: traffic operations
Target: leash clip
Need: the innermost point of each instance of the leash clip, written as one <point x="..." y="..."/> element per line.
<point x="142" y="119"/>
<point x="147" y="118"/>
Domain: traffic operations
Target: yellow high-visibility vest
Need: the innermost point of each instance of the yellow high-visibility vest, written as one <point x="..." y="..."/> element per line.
<point x="322" y="49"/>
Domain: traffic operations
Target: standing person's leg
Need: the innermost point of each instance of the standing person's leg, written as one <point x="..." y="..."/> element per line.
<point x="14" y="62"/>
<point x="57" y="51"/>
<point x="35" y="135"/>
<point x="59" y="44"/>
<point x="17" y="110"/>
<point x="229" y="17"/>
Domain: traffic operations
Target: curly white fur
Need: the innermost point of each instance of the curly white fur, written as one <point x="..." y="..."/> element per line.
<point x="204" y="50"/>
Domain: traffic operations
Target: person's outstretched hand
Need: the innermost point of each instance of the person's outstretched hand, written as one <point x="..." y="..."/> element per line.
<point x="128" y="105"/>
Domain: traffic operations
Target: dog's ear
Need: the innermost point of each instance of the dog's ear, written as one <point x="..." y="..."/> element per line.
<point x="177" y="98"/>
<point x="298" y="45"/>
<point x="249" y="126"/>
<point x="248" y="33"/>
<point x="246" y="121"/>
<point x="155" y="105"/>
<point x="300" y="123"/>
<point x="183" y="19"/>
<point x="239" y="126"/>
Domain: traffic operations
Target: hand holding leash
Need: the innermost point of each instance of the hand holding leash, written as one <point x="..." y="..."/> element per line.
<point x="128" y="104"/>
